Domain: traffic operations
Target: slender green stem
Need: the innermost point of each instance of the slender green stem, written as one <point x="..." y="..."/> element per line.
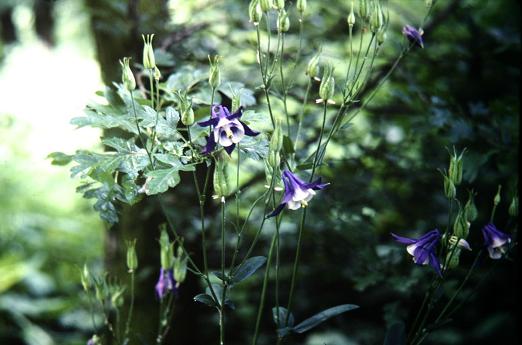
<point x="301" y="114"/>
<point x="223" y="296"/>
<point x="318" y="150"/>
<point x="138" y="128"/>
<point x="131" y="307"/>
<point x="263" y="290"/>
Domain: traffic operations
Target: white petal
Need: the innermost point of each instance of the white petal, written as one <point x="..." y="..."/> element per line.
<point x="293" y="205"/>
<point x="411" y="248"/>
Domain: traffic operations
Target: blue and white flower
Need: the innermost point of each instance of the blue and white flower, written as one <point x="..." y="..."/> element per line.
<point x="297" y="192"/>
<point x="413" y="35"/>
<point x="496" y="241"/>
<point x="423" y="248"/>
<point x="227" y="129"/>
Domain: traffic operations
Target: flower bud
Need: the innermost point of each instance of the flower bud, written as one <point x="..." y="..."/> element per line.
<point x="301" y="6"/>
<point x="166" y="250"/>
<point x="266" y="5"/>
<point x="428" y="3"/>
<point x="455" y="167"/>
<point x="461" y="225"/>
<point x="377" y="19"/>
<point x="279" y="4"/>
<point x="180" y="267"/>
<point x="312" y="70"/>
<point x="449" y="188"/>
<point x="364" y="10"/>
<point x="149" y="62"/>
<point x="327" y="87"/>
<point x="274" y="159"/>
<point x="276" y="141"/>
<point x="127" y="77"/>
<point x="283" y="22"/>
<point x="351" y="17"/>
<point x="132" y="258"/>
<point x="187" y="116"/>
<point x="470" y="209"/>
<point x="254" y="12"/>
<point x="214" y="78"/>
<point x="513" y="207"/>
<point x="497" y="199"/>
<point x="85" y="278"/>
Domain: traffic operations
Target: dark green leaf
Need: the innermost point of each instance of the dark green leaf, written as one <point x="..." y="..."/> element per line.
<point x="249" y="267"/>
<point x="288" y="145"/>
<point x="205" y="299"/>
<point x="323" y="316"/>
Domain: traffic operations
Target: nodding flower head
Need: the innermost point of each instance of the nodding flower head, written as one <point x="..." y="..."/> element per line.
<point x="423" y="248"/>
<point x="297" y="192"/>
<point x="227" y="129"/>
<point x="165" y="283"/>
<point x="496" y="241"/>
<point x="413" y="35"/>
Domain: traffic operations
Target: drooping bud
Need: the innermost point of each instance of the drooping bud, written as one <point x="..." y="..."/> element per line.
<point x="132" y="258"/>
<point x="461" y="225"/>
<point x="351" y="17"/>
<point x="214" y="78"/>
<point x="180" y="267"/>
<point x="497" y="199"/>
<point x="301" y="6"/>
<point x="377" y="18"/>
<point x="149" y="62"/>
<point x="283" y="22"/>
<point x="449" y="188"/>
<point x="276" y="141"/>
<point x="428" y="3"/>
<point x="274" y="159"/>
<point x="279" y="4"/>
<point x="455" y="167"/>
<point x="266" y="5"/>
<point x="513" y="207"/>
<point x="187" y="114"/>
<point x="312" y="70"/>
<point x="85" y="277"/>
<point x="470" y="209"/>
<point x="166" y="250"/>
<point x="327" y="87"/>
<point x="127" y="77"/>
<point x="254" y="12"/>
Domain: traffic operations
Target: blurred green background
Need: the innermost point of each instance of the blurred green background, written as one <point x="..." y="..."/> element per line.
<point x="462" y="90"/>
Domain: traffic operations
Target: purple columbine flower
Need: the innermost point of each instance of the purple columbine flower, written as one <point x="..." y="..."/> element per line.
<point x="413" y="35"/>
<point x="165" y="283"/>
<point x="495" y="240"/>
<point x="297" y="192"/>
<point x="227" y="130"/>
<point x="423" y="248"/>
